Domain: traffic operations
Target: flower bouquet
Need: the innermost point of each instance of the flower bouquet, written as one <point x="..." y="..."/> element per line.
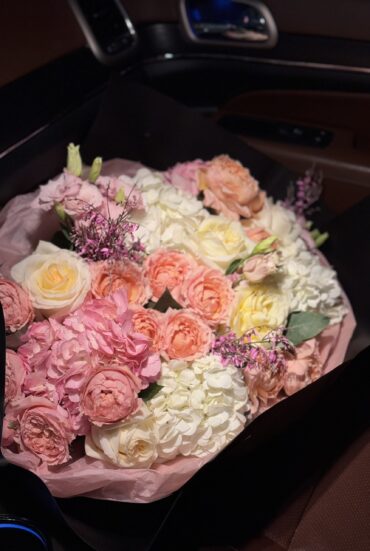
<point x="151" y="316"/>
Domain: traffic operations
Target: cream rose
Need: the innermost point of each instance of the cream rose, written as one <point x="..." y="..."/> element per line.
<point x="218" y="241"/>
<point x="132" y="444"/>
<point x="56" y="279"/>
<point x="259" y="307"/>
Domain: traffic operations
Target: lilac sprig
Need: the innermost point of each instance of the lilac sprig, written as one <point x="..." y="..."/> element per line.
<point x="248" y="352"/>
<point x="98" y="237"/>
<point x="305" y="192"/>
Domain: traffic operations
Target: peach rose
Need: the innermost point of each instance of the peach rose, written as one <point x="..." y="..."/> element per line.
<point x="304" y="368"/>
<point x="110" y="394"/>
<point x="149" y="323"/>
<point x="259" y="266"/>
<point x="209" y="293"/>
<point x="15" y="372"/>
<point x="16" y="304"/>
<point x="43" y="428"/>
<point x="167" y="269"/>
<point x="230" y="189"/>
<point x="108" y="277"/>
<point x="256" y="234"/>
<point x="186" y="336"/>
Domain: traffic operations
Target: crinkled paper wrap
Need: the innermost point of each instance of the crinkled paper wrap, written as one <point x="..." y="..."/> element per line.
<point x="92" y="477"/>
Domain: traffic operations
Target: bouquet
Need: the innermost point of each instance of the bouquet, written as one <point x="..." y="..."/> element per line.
<point x="151" y="316"/>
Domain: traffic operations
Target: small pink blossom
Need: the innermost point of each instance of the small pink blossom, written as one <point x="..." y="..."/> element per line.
<point x="15" y="373"/>
<point x="66" y="186"/>
<point x="259" y="266"/>
<point x="304" y="368"/>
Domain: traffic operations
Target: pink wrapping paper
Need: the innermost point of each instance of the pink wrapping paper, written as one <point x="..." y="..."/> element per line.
<point x="92" y="477"/>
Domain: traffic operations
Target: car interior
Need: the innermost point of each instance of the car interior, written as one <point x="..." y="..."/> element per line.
<point x="285" y="87"/>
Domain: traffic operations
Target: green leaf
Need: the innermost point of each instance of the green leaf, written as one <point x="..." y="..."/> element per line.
<point x="61" y="239"/>
<point x="305" y="325"/>
<point x="165" y="302"/>
<point x="150" y="392"/>
<point x="234" y="265"/>
<point x="264" y="246"/>
<point x="74" y="161"/>
<point x="95" y="169"/>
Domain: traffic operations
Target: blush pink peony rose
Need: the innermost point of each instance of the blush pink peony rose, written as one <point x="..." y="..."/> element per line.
<point x="17" y="307"/>
<point x="15" y="373"/>
<point x="44" y="429"/>
<point x="304" y="368"/>
<point x="209" y="293"/>
<point x="166" y="269"/>
<point x="108" y="277"/>
<point x="263" y="382"/>
<point x="185" y="176"/>
<point x="110" y="394"/>
<point x="230" y="189"/>
<point x="259" y="266"/>
<point x="149" y="323"/>
<point x="186" y="336"/>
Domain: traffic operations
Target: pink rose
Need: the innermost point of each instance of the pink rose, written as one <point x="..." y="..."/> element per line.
<point x="43" y="429"/>
<point x="110" y="395"/>
<point x="16" y="305"/>
<point x="186" y="336"/>
<point x="108" y="277"/>
<point x="185" y="176"/>
<point x="15" y="373"/>
<point x="148" y="322"/>
<point x="304" y="368"/>
<point x="167" y="269"/>
<point x="230" y="189"/>
<point x="209" y="293"/>
<point x="259" y="266"/>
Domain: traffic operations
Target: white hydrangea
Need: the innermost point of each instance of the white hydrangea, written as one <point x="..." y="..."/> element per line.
<point x="169" y="212"/>
<point x="200" y="409"/>
<point x="311" y="286"/>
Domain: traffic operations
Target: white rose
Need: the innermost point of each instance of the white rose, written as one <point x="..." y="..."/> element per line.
<point x="132" y="444"/>
<point x="200" y="408"/>
<point x="57" y="280"/>
<point x="218" y="241"/>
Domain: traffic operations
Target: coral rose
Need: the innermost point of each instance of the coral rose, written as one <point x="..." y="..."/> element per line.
<point x="15" y="372"/>
<point x="230" y="189"/>
<point x="16" y="305"/>
<point x="108" y="277"/>
<point x="110" y="395"/>
<point x="209" y="293"/>
<point x="149" y="323"/>
<point x="166" y="269"/>
<point x="43" y="429"/>
<point x="186" y="336"/>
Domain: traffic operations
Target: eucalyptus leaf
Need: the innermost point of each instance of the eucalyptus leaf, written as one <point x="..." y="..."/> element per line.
<point x="303" y="326"/>
<point x="234" y="265"/>
<point x="165" y="302"/>
<point x="150" y="392"/>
